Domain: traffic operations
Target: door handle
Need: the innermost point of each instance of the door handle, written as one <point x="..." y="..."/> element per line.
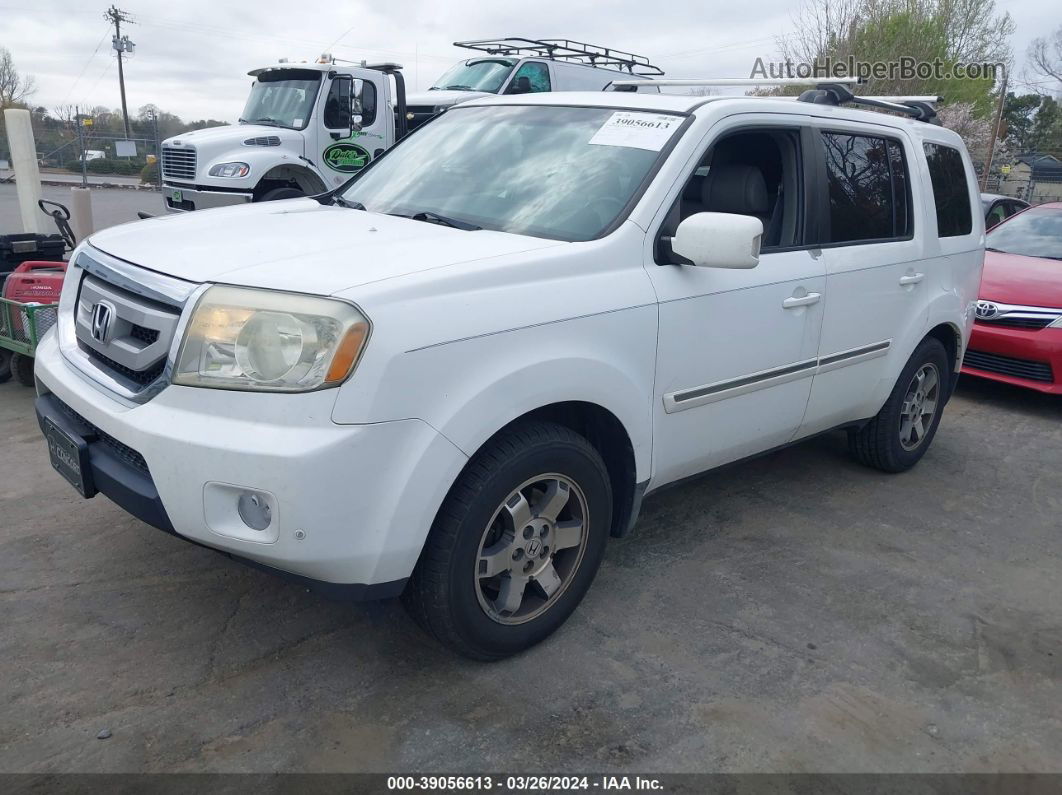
<point x="804" y="300"/>
<point x="913" y="278"/>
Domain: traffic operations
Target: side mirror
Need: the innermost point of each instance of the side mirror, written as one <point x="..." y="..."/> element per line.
<point x="355" y="122"/>
<point x="719" y="240"/>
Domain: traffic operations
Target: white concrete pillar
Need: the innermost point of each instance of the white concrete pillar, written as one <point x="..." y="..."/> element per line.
<point x="81" y="212"/>
<point x="24" y="162"/>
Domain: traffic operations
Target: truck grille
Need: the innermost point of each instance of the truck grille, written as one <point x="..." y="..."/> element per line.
<point x="178" y="162"/>
<point x="1009" y="365"/>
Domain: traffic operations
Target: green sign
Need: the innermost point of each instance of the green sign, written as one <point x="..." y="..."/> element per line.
<point x="346" y="157"/>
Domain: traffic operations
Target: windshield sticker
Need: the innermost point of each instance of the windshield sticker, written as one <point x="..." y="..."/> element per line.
<point x="296" y="123"/>
<point x="638" y="130"/>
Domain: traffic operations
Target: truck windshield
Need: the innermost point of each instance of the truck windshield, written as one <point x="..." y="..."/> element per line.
<point x="561" y="173"/>
<point x="476" y="74"/>
<point x="282" y="98"/>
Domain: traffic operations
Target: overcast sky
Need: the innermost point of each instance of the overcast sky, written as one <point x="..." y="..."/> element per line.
<point x="192" y="57"/>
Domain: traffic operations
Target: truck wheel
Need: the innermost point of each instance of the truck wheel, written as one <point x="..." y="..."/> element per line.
<point x="5" y="365"/>
<point x="516" y="544"/>
<point x="281" y="193"/>
<point x="22" y="368"/>
<point x="897" y="438"/>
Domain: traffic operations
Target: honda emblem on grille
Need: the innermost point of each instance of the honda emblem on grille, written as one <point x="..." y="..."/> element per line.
<point x="102" y="315"/>
<point x="986" y="310"/>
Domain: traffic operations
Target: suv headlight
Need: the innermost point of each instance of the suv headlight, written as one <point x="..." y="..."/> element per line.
<point x="261" y="340"/>
<point x="230" y="170"/>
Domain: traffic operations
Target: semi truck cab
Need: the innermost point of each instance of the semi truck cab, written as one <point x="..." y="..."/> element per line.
<point x="305" y="128"/>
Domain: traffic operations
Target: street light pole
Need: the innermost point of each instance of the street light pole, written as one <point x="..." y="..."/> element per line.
<point x="121" y="45"/>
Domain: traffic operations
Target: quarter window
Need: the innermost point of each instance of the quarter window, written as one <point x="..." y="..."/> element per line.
<point x="950" y="192"/>
<point x="868" y="192"/>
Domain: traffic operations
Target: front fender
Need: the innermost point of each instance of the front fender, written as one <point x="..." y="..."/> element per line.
<point x="468" y="390"/>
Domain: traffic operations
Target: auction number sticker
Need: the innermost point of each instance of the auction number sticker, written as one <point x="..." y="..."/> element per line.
<point x="639" y="130"/>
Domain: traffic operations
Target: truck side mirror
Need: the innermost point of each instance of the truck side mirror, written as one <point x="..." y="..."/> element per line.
<point x="719" y="240"/>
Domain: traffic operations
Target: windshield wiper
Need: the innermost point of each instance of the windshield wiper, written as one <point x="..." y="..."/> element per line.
<point x="337" y="199"/>
<point x="264" y="120"/>
<point x="460" y="88"/>
<point x="442" y="220"/>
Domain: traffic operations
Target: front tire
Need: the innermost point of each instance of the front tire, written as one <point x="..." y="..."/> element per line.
<point x="899" y="435"/>
<point x="278" y="194"/>
<point x="516" y="543"/>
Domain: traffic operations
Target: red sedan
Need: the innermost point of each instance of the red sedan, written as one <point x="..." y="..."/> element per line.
<point x="1017" y="334"/>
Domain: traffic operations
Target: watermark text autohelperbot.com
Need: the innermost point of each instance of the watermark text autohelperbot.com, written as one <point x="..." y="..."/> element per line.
<point x="902" y="68"/>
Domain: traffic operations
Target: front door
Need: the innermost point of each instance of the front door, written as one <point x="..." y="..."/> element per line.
<point x="737" y="348"/>
<point x="344" y="150"/>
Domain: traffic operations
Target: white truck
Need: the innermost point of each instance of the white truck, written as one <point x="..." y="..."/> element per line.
<point x="455" y="377"/>
<point x="308" y="127"/>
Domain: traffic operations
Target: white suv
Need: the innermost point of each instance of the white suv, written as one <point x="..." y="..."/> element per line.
<point x="454" y="378"/>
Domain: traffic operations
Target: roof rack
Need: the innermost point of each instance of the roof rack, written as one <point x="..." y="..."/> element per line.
<point x="820" y="92"/>
<point x="565" y="50"/>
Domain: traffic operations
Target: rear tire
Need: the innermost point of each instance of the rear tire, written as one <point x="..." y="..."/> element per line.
<point x="5" y="365"/>
<point x="516" y="543"/>
<point x="899" y="435"/>
<point x="277" y="194"/>
<point x="22" y="368"/>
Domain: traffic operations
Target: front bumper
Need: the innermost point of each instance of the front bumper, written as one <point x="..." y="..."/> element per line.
<point x="1031" y="358"/>
<point x="352" y="504"/>
<point x="197" y="198"/>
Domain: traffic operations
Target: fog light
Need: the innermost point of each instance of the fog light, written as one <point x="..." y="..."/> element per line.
<point x="254" y="510"/>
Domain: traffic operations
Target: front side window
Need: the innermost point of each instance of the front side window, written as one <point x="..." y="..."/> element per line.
<point x="531" y="78"/>
<point x="1034" y="233"/>
<point x="950" y="192"/>
<point x="359" y="96"/>
<point x="531" y="170"/>
<point x="476" y="74"/>
<point x="282" y="98"/>
<point x="867" y="187"/>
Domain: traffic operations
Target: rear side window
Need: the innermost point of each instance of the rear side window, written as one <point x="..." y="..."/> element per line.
<point x="867" y="188"/>
<point x="950" y="192"/>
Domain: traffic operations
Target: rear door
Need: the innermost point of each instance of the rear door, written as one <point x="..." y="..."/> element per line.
<point x="875" y="272"/>
<point x="350" y="95"/>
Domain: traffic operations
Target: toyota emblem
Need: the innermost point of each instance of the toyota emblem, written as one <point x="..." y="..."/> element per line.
<point x="986" y="310"/>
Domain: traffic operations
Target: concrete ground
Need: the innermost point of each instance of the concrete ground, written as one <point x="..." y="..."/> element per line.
<point x="110" y="206"/>
<point x="793" y="613"/>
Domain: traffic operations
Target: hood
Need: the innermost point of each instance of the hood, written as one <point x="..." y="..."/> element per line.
<point x="1016" y="279"/>
<point x="233" y="135"/>
<point x="441" y="97"/>
<point x="299" y="245"/>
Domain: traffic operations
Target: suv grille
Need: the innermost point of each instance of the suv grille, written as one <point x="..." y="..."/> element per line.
<point x="178" y="162"/>
<point x="122" y="451"/>
<point x="1008" y="365"/>
<point x="132" y="342"/>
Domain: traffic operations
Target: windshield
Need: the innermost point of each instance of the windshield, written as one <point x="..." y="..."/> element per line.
<point x="477" y="74"/>
<point x="546" y="171"/>
<point x="282" y="98"/>
<point x="1033" y="233"/>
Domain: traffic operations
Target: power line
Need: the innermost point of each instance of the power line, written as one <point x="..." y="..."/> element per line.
<point x="85" y="67"/>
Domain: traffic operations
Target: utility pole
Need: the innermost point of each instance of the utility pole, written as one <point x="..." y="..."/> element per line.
<point x="121" y="45"/>
<point x="995" y="131"/>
